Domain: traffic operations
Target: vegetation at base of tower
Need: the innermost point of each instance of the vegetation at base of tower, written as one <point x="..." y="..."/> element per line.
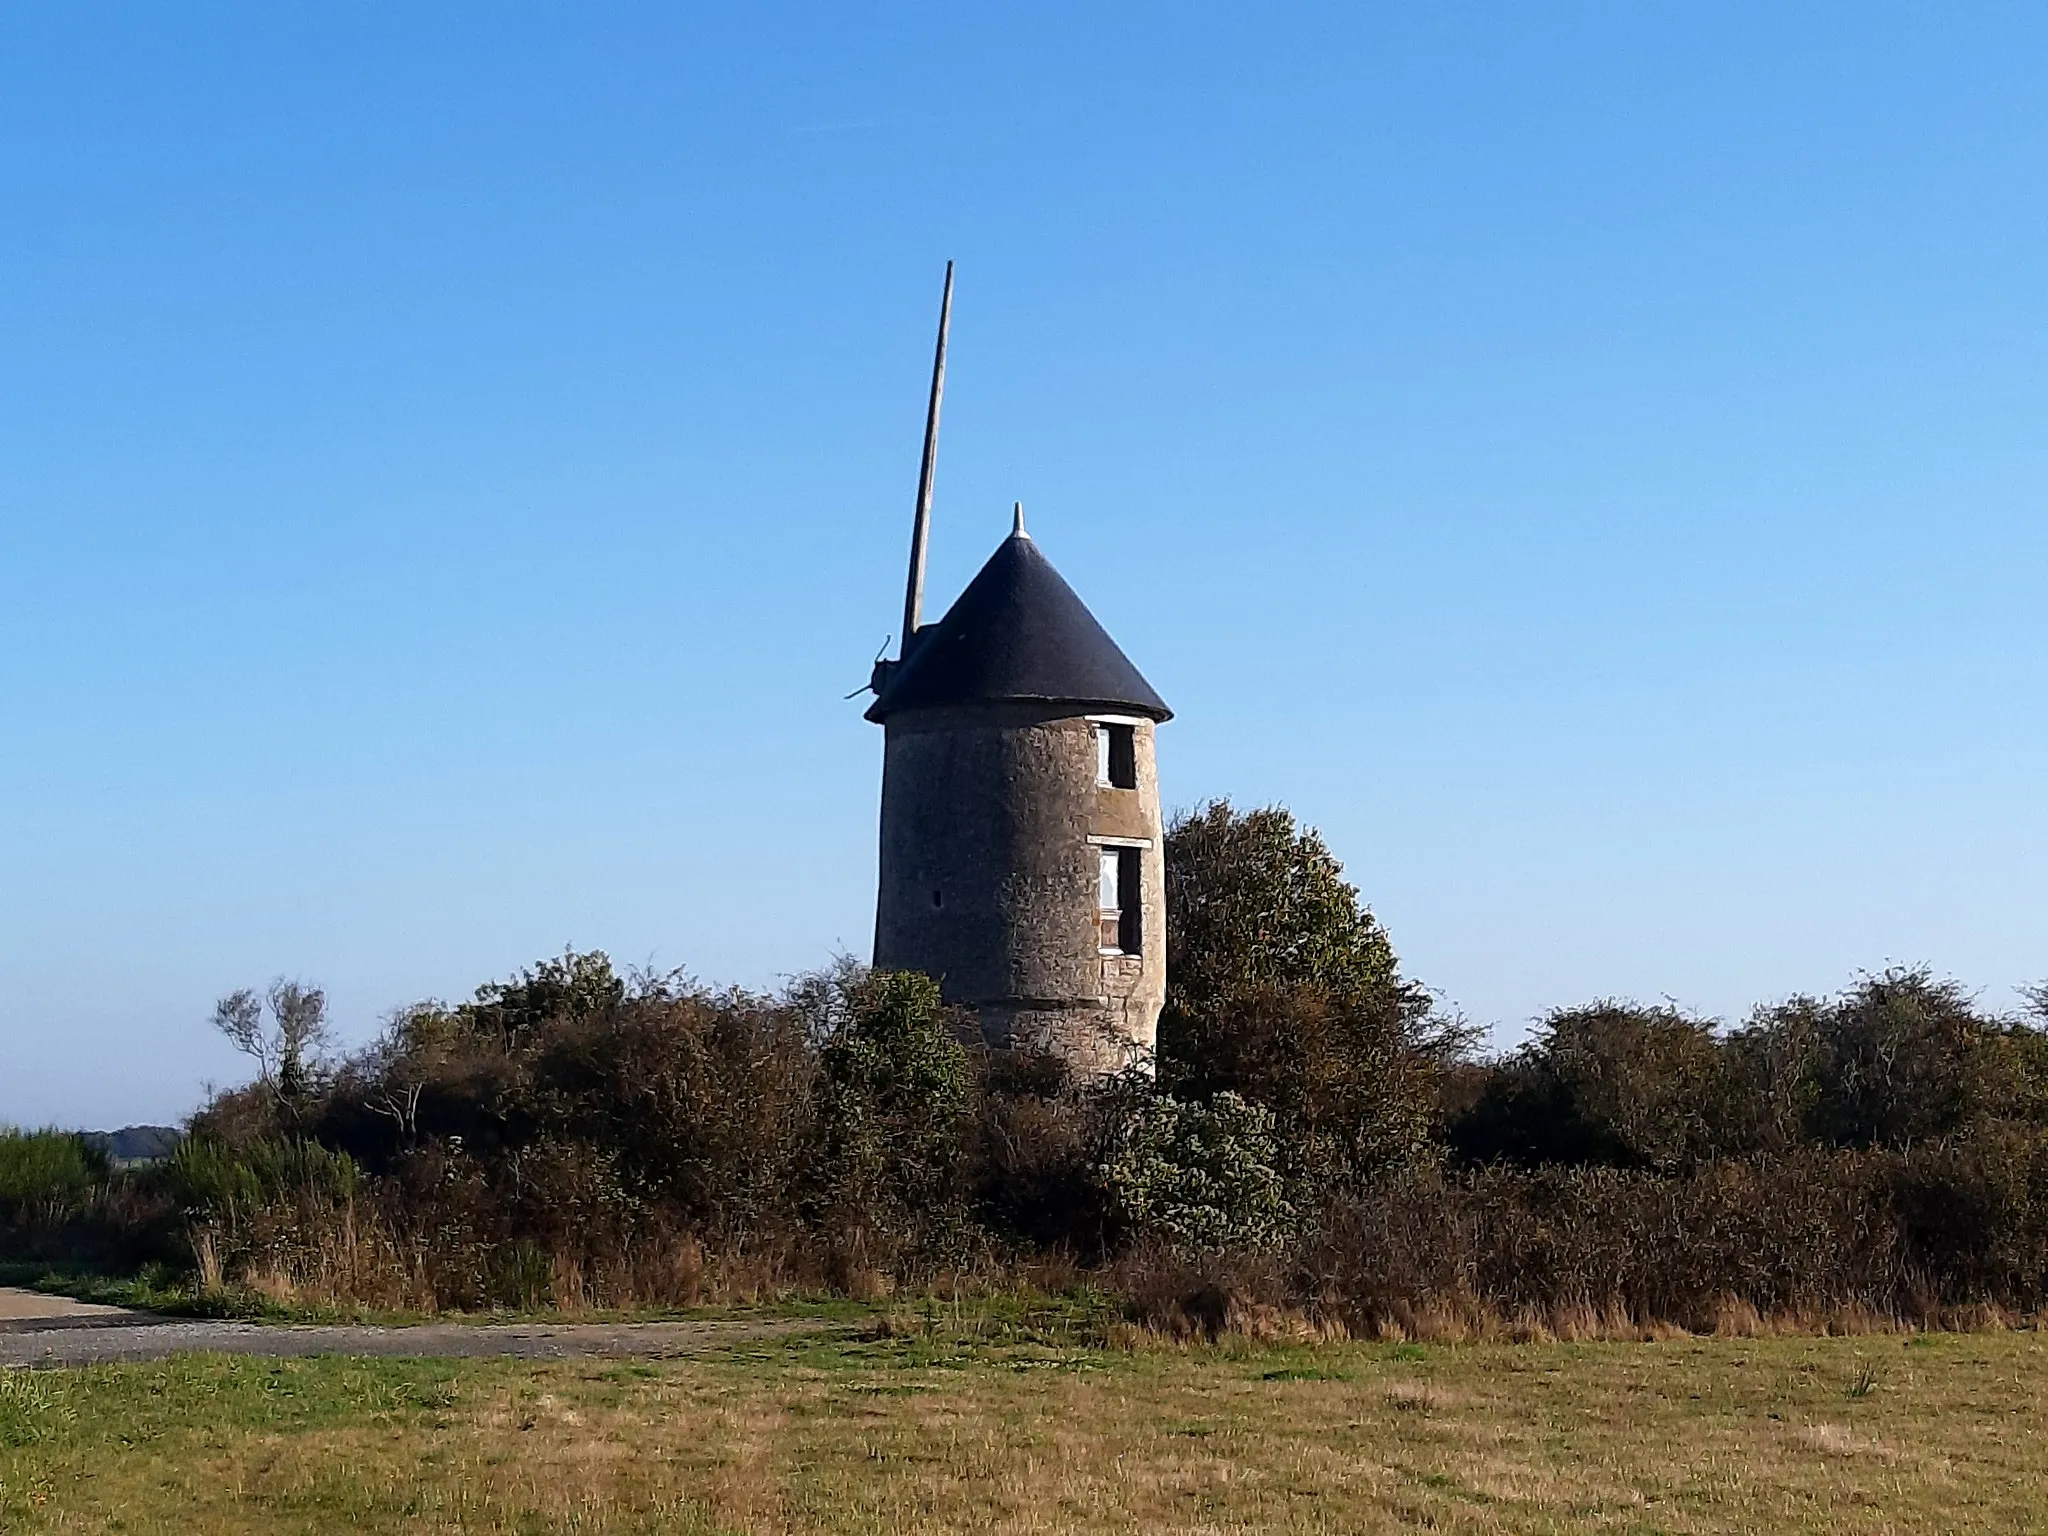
<point x="1317" y="1141"/>
<point x="1283" y="988"/>
<point x="1255" y="901"/>
<point x="1200" y="1177"/>
<point x="892" y="1114"/>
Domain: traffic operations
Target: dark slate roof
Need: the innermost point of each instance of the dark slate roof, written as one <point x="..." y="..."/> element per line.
<point x="1017" y="634"/>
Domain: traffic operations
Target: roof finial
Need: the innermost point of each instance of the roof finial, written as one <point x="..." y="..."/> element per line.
<point x="1017" y="523"/>
<point x="920" y="531"/>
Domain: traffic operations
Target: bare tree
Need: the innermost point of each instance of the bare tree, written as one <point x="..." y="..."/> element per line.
<point x="2037" y="1000"/>
<point x="289" y="1050"/>
<point x="239" y="1016"/>
<point x="401" y="1105"/>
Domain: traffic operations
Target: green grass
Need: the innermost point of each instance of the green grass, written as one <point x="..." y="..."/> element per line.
<point x="1010" y="1424"/>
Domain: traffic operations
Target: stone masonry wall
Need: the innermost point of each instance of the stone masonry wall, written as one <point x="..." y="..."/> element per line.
<point x="989" y="878"/>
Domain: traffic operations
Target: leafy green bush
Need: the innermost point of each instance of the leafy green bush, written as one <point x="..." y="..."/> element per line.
<point x="894" y="1099"/>
<point x="62" y="1202"/>
<point x="1610" y="1083"/>
<point x="1201" y="1177"/>
<point x="1253" y="900"/>
<point x="230" y="1185"/>
<point x="580" y="1134"/>
<point x="47" y="1177"/>
<point x="1899" y="1060"/>
<point x="1284" y="989"/>
<point x="1896" y="1060"/>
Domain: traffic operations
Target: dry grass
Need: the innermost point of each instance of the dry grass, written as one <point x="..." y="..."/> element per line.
<point x="934" y="1434"/>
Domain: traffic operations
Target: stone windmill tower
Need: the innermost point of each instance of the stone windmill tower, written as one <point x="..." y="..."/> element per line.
<point x="1021" y="851"/>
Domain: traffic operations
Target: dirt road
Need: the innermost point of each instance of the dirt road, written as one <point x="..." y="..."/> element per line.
<point x="37" y="1330"/>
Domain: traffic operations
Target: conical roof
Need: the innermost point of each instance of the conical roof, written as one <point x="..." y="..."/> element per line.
<point x="1017" y="635"/>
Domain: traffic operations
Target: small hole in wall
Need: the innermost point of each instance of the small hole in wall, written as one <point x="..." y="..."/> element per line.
<point x="938" y="900"/>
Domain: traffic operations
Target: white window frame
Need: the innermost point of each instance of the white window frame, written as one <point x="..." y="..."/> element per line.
<point x="1103" y="845"/>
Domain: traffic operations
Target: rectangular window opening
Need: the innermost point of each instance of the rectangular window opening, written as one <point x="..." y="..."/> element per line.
<point x="1116" y="755"/>
<point x="1121" y="903"/>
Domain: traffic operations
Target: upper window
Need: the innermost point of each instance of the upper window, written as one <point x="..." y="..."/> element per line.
<point x="1116" y="755"/>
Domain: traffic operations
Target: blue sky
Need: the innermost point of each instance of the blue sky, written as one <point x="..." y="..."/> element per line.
<point x="1588" y="459"/>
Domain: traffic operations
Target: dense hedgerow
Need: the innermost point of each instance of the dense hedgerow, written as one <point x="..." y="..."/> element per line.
<point x="1316" y="1138"/>
<point x="60" y="1198"/>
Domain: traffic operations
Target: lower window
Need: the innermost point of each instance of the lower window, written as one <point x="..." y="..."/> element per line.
<point x="1121" y="902"/>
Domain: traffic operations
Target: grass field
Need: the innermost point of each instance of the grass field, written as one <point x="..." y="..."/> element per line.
<point x="954" y="1433"/>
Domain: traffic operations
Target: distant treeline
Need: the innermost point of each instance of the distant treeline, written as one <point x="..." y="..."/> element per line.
<point x="136" y="1143"/>
<point x="1316" y="1145"/>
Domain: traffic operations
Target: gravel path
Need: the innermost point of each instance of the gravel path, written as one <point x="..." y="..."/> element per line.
<point x="74" y="1334"/>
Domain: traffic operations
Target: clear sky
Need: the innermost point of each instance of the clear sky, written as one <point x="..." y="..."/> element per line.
<point x="1589" y="459"/>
